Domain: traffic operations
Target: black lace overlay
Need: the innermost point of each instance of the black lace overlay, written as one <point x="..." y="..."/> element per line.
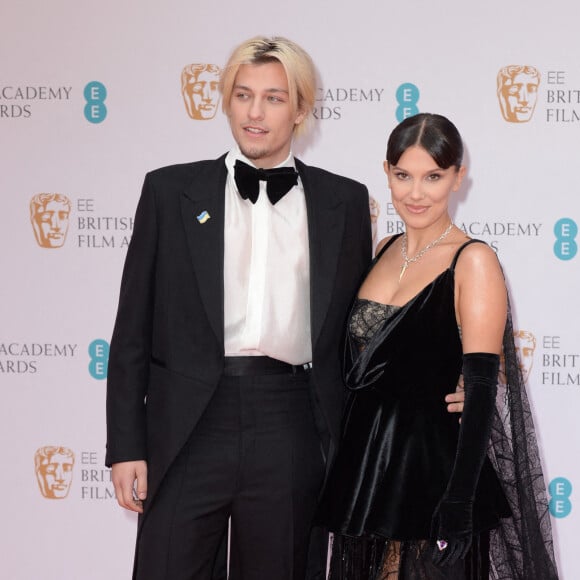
<point x="521" y="547"/>
<point x="366" y="318"/>
<point x="398" y="449"/>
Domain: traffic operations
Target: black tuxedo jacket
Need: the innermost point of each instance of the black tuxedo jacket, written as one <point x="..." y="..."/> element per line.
<point x="167" y="350"/>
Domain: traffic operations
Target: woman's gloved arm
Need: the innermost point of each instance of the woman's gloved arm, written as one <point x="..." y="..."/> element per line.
<point x="452" y="525"/>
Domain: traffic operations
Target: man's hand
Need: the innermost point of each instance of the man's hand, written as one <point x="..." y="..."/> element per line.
<point x="455" y="400"/>
<point x="130" y="482"/>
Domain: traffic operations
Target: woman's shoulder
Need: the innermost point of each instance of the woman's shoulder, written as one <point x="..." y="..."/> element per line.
<point x="384" y="242"/>
<point x="477" y="268"/>
<point x="381" y="245"/>
<point x="475" y="254"/>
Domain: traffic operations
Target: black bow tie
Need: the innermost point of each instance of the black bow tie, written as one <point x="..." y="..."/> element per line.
<point x="279" y="181"/>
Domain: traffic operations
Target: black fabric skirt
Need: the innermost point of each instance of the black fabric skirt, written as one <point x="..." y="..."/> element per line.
<point x="375" y="558"/>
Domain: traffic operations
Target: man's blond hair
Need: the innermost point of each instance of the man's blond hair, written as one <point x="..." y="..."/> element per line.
<point x="297" y="63"/>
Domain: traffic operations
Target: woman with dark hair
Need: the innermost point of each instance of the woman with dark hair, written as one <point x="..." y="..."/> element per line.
<point x="413" y="494"/>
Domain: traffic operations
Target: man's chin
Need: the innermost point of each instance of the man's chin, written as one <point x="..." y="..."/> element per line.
<point x="253" y="153"/>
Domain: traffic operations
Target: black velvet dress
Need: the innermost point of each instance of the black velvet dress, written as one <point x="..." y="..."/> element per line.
<point x="399" y="441"/>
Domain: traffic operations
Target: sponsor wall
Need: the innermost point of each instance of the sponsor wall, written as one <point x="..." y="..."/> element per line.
<point x="91" y="97"/>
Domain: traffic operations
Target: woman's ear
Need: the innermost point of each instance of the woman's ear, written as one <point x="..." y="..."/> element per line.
<point x="459" y="177"/>
<point x="387" y="168"/>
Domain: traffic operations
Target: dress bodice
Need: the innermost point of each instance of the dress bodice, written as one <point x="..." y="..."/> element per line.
<point x="366" y="318"/>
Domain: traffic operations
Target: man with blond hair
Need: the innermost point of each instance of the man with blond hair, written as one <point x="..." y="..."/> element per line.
<point x="224" y="383"/>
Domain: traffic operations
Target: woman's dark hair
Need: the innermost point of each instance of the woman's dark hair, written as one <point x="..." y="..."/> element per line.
<point x="434" y="133"/>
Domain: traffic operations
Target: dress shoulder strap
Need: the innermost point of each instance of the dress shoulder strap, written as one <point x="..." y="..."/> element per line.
<point x="384" y="248"/>
<point x="460" y="249"/>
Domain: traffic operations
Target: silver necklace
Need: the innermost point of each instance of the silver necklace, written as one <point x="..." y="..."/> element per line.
<point x="407" y="261"/>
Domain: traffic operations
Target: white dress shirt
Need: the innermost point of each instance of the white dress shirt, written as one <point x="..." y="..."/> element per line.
<point x="266" y="272"/>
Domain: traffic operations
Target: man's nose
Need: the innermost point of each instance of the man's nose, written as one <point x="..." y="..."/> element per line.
<point x="256" y="109"/>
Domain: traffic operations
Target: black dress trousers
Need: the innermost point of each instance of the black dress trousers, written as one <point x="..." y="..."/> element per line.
<point x="255" y="455"/>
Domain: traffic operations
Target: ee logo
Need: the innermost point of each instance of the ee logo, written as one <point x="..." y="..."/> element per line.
<point x="407" y="97"/>
<point x="99" y="353"/>
<point x="95" y="94"/>
<point x="560" y="490"/>
<point x="565" y="246"/>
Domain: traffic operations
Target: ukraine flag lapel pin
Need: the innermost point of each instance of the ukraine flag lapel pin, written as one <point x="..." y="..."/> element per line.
<point x="203" y="217"/>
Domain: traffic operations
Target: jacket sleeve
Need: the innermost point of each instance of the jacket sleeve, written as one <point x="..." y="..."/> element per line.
<point x="128" y="370"/>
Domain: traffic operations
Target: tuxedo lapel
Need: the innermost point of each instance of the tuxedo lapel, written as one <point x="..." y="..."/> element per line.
<point x="202" y="207"/>
<point x="325" y="228"/>
<point x="205" y="237"/>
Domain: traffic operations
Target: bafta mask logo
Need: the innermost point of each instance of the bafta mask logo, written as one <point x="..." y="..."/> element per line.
<point x="375" y="210"/>
<point x="525" y="347"/>
<point x="54" y="471"/>
<point x="49" y="214"/>
<point x="525" y="343"/>
<point x="517" y="91"/>
<point x="200" y="90"/>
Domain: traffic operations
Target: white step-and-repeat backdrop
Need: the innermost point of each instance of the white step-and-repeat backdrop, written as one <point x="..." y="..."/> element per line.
<point x="92" y="95"/>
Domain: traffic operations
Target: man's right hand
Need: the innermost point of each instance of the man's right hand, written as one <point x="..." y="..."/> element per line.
<point x="455" y="400"/>
<point x="130" y="482"/>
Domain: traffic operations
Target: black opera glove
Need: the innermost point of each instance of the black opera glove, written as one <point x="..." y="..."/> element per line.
<point x="452" y="524"/>
<point x="452" y="527"/>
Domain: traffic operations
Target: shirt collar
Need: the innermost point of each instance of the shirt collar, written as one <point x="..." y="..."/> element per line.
<point x="235" y="154"/>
